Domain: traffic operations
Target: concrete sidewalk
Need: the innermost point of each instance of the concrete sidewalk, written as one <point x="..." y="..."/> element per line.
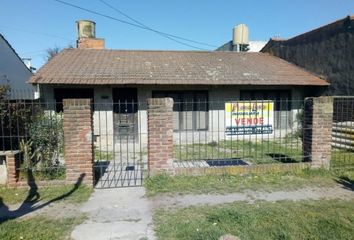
<point x="119" y="213"/>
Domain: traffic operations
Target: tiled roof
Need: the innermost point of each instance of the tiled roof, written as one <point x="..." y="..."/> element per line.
<point x="92" y="66"/>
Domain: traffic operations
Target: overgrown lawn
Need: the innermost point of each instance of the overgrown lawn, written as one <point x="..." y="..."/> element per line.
<point x="322" y="219"/>
<point x="235" y="183"/>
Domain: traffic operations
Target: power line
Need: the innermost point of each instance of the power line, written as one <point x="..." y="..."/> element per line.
<point x="35" y="32"/>
<point x="151" y="29"/>
<point x="125" y="22"/>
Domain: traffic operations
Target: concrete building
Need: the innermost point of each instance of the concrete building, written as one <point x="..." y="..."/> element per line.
<point x="253" y="46"/>
<point x="327" y="52"/>
<point x="14" y="72"/>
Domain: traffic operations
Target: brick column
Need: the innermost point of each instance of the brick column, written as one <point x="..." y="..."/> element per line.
<point x="318" y="118"/>
<point x="160" y="135"/>
<point x="78" y="145"/>
<point x="12" y="163"/>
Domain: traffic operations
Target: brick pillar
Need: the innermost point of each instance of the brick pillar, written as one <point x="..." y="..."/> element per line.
<point x="12" y="163"/>
<point x="160" y="135"/>
<point x="78" y="145"/>
<point x="318" y="115"/>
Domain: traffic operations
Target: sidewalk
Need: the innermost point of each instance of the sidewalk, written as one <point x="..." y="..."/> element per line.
<point x="122" y="213"/>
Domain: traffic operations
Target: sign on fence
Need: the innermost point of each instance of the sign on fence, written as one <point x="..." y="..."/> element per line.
<point x="249" y="117"/>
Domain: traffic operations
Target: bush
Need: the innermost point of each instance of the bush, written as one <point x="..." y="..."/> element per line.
<point x="46" y="133"/>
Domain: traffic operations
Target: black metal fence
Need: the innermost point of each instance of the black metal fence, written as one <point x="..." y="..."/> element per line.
<point x="221" y="133"/>
<point x="120" y="144"/>
<point x="35" y="129"/>
<point x="206" y="133"/>
<point x="343" y="132"/>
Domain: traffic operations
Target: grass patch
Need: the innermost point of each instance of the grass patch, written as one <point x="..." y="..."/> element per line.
<point x="264" y="151"/>
<point x="235" y="183"/>
<point x="322" y="219"/>
<point x="45" y="174"/>
<point x="18" y="195"/>
<point x="342" y="159"/>
<point x="38" y="228"/>
<point x="103" y="155"/>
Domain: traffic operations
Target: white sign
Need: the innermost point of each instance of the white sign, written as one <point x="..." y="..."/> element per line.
<point x="249" y="117"/>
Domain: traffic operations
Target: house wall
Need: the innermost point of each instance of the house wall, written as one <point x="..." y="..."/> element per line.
<point x="13" y="72"/>
<point x="103" y="118"/>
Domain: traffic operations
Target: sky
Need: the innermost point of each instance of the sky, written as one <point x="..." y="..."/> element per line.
<point x="32" y="26"/>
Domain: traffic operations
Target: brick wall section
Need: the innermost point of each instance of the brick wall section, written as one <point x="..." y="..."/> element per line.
<point x="318" y="119"/>
<point x="90" y="43"/>
<point x="78" y="145"/>
<point x="12" y="164"/>
<point x="160" y="139"/>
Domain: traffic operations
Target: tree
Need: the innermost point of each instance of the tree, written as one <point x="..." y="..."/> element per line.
<point x="51" y="52"/>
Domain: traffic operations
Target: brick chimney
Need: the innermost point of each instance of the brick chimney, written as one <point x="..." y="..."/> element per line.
<point x="86" y="31"/>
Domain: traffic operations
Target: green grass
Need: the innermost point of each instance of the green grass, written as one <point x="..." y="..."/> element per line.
<point x="38" y="228"/>
<point x="45" y="174"/>
<point x="261" y="152"/>
<point x="235" y="183"/>
<point x="254" y="152"/>
<point x="342" y="159"/>
<point x="18" y="195"/>
<point x="322" y="219"/>
<point x="103" y="155"/>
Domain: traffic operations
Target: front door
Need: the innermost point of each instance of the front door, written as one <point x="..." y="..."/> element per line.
<point x="125" y="108"/>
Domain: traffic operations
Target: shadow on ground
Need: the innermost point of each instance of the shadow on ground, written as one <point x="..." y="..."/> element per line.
<point x="282" y="158"/>
<point x="346" y="182"/>
<point x="32" y="203"/>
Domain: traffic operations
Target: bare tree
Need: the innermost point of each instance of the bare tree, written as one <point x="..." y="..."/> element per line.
<point x="51" y="52"/>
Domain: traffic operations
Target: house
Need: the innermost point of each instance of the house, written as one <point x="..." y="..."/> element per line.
<point x="13" y="72"/>
<point x="326" y="52"/>
<point x="121" y="81"/>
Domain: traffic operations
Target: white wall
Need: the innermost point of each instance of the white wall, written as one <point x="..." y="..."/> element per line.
<point x="14" y="72"/>
<point x="256" y="46"/>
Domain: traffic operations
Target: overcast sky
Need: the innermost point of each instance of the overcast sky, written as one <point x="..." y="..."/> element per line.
<point x="31" y="26"/>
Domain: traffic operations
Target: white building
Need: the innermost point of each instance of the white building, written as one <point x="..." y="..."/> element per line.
<point x="14" y="72"/>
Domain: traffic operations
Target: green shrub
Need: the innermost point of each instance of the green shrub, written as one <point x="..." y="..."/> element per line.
<point x="46" y="133"/>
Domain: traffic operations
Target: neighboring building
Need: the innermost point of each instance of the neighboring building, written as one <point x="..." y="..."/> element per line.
<point x="14" y="72"/>
<point x="327" y="51"/>
<point x="253" y="46"/>
<point x="110" y="77"/>
<point x="240" y="34"/>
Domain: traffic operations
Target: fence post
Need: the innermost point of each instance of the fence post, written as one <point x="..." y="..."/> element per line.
<point x="160" y="135"/>
<point x="12" y="164"/>
<point x="318" y="119"/>
<point x="78" y="145"/>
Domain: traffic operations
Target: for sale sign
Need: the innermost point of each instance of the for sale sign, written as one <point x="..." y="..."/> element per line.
<point x="249" y="117"/>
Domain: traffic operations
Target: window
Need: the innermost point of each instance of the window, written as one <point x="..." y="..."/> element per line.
<point x="190" y="109"/>
<point x="282" y="102"/>
<point x="71" y="93"/>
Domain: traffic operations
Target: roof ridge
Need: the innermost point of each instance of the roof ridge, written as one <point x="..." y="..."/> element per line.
<point x="153" y="50"/>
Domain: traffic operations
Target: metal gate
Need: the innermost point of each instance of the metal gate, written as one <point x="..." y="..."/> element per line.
<point x="120" y="144"/>
<point x="343" y="133"/>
